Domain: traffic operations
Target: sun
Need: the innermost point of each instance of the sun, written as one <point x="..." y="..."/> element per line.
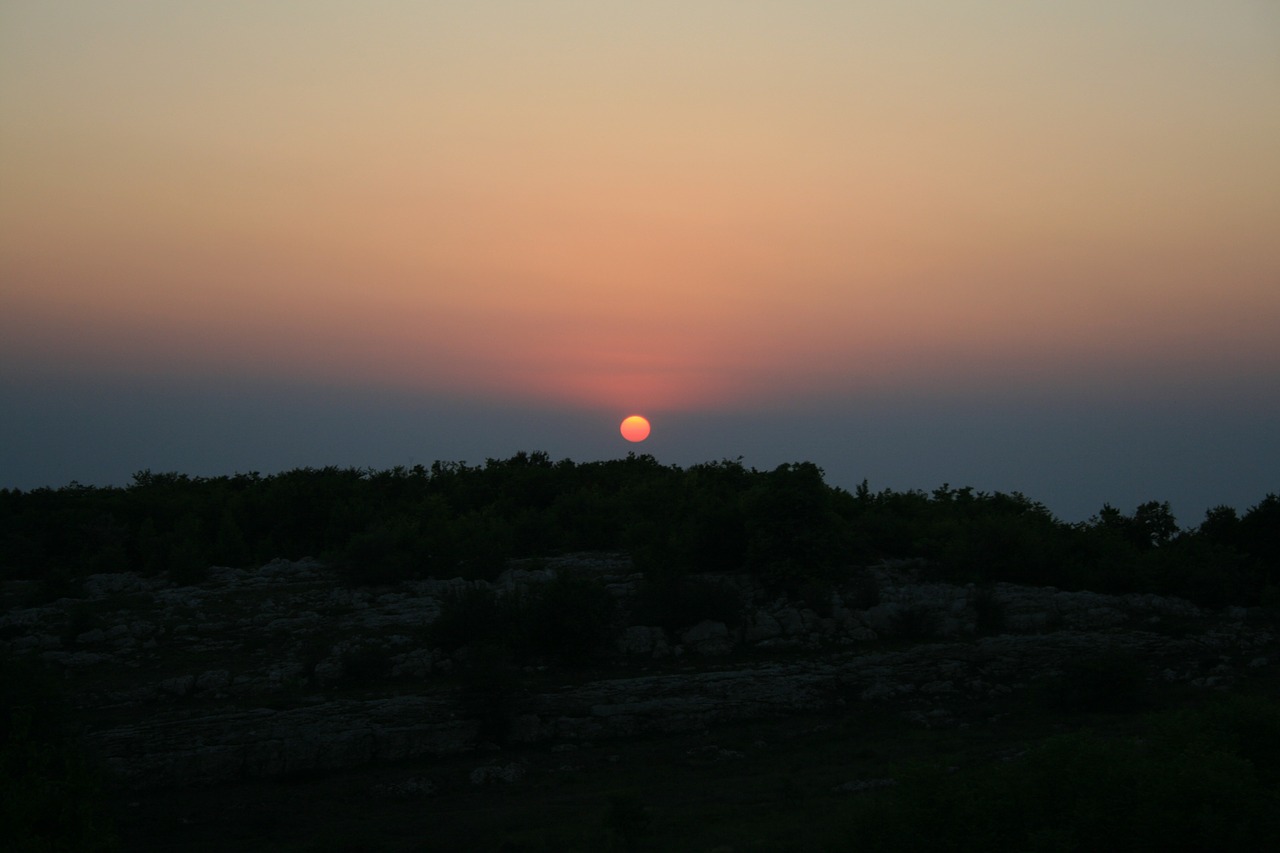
<point x="635" y="428"/>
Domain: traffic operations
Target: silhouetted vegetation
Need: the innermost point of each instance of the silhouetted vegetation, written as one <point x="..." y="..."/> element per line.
<point x="566" y="617"/>
<point x="676" y="603"/>
<point x="786" y="527"/>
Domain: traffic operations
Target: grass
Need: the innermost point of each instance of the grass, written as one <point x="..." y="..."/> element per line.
<point x="760" y="786"/>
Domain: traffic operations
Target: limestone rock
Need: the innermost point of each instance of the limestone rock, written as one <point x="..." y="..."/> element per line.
<point x="708" y="638"/>
<point x="763" y="626"/>
<point x="495" y="774"/>
<point x="279" y="634"/>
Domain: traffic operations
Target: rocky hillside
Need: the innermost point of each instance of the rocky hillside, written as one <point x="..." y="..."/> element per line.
<point x="282" y="669"/>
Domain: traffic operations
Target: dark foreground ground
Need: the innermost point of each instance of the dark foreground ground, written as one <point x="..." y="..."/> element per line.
<point x="275" y="710"/>
<point x="1172" y="769"/>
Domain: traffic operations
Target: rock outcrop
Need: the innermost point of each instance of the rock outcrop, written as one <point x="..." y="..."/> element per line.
<point x="282" y="669"/>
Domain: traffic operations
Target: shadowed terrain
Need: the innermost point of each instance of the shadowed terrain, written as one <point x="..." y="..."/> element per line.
<point x="754" y="671"/>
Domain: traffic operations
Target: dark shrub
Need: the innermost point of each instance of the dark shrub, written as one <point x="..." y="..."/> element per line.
<point x="365" y="664"/>
<point x="795" y="533"/>
<point x="80" y="619"/>
<point x="679" y="603"/>
<point x="988" y="612"/>
<point x="482" y="543"/>
<point x="569" y="617"/>
<point x="1105" y="682"/>
<point x="52" y="585"/>
<point x="864" y="590"/>
<point x="491" y="691"/>
<point x="384" y="555"/>
<point x="474" y="615"/>
<point x="915" y="622"/>
<point x="816" y="596"/>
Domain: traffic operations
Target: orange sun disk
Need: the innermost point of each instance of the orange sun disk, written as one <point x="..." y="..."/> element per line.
<point x="635" y="428"/>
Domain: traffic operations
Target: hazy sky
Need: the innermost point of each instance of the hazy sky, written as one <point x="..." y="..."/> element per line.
<point x="1020" y="245"/>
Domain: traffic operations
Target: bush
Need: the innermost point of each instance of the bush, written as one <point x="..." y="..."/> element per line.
<point x="864" y="590"/>
<point x="988" y="612"/>
<point x="80" y="619"/>
<point x="915" y="622"/>
<point x="491" y="690"/>
<point x="679" y="603"/>
<point x="570" y="617"/>
<point x="1107" y="682"/>
<point x="482" y="542"/>
<point x="54" y="584"/>
<point x="386" y="554"/>
<point x="474" y="615"/>
<point x="795" y="534"/>
<point x="364" y="664"/>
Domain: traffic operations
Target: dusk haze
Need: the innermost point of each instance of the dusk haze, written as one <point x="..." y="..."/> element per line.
<point x="588" y="425"/>
<point x="1026" y="247"/>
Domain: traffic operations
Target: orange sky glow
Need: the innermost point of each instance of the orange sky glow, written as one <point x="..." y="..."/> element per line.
<point x="658" y="206"/>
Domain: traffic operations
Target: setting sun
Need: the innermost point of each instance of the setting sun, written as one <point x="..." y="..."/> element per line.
<point x="635" y="428"/>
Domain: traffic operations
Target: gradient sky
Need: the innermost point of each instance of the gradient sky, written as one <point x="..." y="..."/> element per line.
<point x="1021" y="245"/>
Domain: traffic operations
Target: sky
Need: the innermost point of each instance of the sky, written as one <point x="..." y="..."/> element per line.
<point x="1020" y="246"/>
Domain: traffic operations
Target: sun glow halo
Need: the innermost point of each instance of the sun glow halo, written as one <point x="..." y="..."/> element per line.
<point x="635" y="428"/>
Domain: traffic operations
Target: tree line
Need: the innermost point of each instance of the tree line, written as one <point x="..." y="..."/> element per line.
<point x="786" y="526"/>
